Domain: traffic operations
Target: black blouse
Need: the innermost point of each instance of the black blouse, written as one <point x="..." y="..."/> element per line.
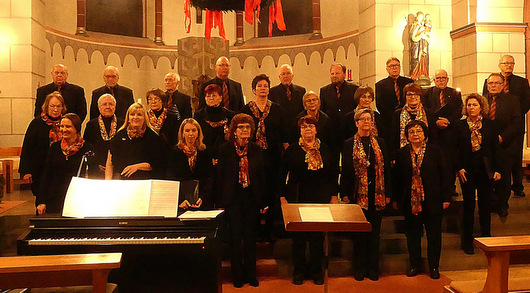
<point x="101" y="147"/>
<point x="213" y="136"/>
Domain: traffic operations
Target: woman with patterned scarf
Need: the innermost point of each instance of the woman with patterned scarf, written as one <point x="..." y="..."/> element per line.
<point x="41" y="133"/>
<point x="365" y="180"/>
<point x="240" y="185"/>
<point x="190" y="161"/>
<point x="271" y="137"/>
<point x="312" y="172"/>
<point x="423" y="188"/>
<point x="214" y="120"/>
<point x="136" y="151"/>
<point x="413" y="110"/>
<point x="99" y="131"/>
<point x="62" y="163"/>
<point x="477" y="166"/>
<point x="165" y="122"/>
<point x="364" y="97"/>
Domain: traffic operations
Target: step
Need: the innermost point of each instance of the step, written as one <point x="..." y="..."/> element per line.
<point x="264" y="267"/>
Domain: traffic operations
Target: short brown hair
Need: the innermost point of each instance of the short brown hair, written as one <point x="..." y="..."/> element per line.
<point x="240" y="119"/>
<point x="484" y="107"/>
<point x="359" y="113"/>
<point x="76" y="121"/>
<point x="308" y="119"/>
<point x="361" y="91"/>
<point x="392" y="59"/>
<point x="213" y="88"/>
<point x="56" y="95"/>
<point x="413" y="87"/>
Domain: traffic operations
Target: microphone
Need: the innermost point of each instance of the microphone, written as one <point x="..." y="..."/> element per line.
<point x="84" y="159"/>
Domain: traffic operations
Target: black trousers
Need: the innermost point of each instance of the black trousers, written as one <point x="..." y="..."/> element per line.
<point x="313" y="266"/>
<point x="517" y="165"/>
<point x="501" y="187"/>
<point x="433" y="226"/>
<point x="241" y="216"/>
<point x="366" y="246"/>
<point x="479" y="181"/>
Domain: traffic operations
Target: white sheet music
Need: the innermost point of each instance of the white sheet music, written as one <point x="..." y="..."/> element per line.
<point x="315" y="214"/>
<point x="200" y="215"/>
<point x="120" y="198"/>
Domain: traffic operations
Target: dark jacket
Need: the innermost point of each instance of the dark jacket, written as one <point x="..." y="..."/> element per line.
<point x="387" y="102"/>
<point x="508" y="120"/>
<point x="180" y="101"/>
<point x="434" y="173"/>
<point x="124" y="98"/>
<point x="73" y="95"/>
<point x="337" y="108"/>
<point x="453" y="103"/>
<point x="396" y="132"/>
<point x="518" y="87"/>
<point x="228" y="174"/>
<point x="101" y="147"/>
<point x="291" y="108"/>
<point x="234" y="92"/>
<point x="213" y="136"/>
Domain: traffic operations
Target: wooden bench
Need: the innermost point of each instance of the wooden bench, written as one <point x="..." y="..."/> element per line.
<point x="497" y="251"/>
<point x="9" y="161"/>
<point x="58" y="270"/>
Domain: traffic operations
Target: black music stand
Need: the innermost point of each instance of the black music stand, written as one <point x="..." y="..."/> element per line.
<point x="346" y="218"/>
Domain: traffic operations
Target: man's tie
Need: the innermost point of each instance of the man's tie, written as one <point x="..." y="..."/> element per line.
<point x="442" y="98"/>
<point x="506" y="86"/>
<point x="338" y="91"/>
<point x="226" y="97"/>
<point x="288" y="92"/>
<point x="398" y="92"/>
<point x="59" y="89"/>
<point x="111" y="89"/>
<point x="493" y="108"/>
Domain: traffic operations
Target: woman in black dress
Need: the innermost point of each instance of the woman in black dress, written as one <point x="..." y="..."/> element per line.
<point x="477" y="166"/>
<point x="190" y="161"/>
<point x="270" y="136"/>
<point x="326" y="131"/>
<point x="241" y="183"/>
<point x="62" y="163"/>
<point x="413" y="110"/>
<point x="99" y="131"/>
<point x="312" y="170"/>
<point x="365" y="180"/>
<point x="136" y="151"/>
<point x="214" y="120"/>
<point x="41" y="133"/>
<point x="165" y="122"/>
<point x="423" y="189"/>
<point x="364" y="97"/>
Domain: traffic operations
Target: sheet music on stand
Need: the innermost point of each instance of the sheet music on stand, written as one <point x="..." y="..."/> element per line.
<point x="121" y="198"/>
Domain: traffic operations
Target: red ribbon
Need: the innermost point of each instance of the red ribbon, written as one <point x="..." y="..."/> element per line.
<point x="187" y="12"/>
<point x="214" y="19"/>
<point x="250" y="6"/>
<point x="276" y="14"/>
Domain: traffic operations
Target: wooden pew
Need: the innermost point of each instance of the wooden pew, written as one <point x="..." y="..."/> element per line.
<point x="58" y="270"/>
<point x="497" y="251"/>
<point x="9" y="157"/>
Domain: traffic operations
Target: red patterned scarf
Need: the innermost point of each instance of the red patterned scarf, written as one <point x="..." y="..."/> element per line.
<point x="133" y="133"/>
<point x="244" y="178"/>
<point x="476" y="136"/>
<point x="70" y="150"/>
<point x="223" y="123"/>
<point x="373" y="129"/>
<point x="261" y="135"/>
<point x="157" y="123"/>
<point x="191" y="153"/>
<point x="361" y="164"/>
<point x="113" y="126"/>
<point x="312" y="154"/>
<point x="54" y="134"/>
<point x="405" y="118"/>
<point x="417" y="193"/>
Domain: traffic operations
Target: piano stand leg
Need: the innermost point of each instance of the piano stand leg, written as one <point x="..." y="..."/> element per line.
<point x="326" y="261"/>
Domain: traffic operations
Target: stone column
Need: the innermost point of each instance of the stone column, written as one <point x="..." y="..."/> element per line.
<point x="240" y="40"/>
<point x="158" y="22"/>
<point x="81" y="18"/>
<point x="317" y="33"/>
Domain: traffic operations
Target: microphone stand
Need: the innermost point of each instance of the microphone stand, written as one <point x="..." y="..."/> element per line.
<point x="84" y="159"/>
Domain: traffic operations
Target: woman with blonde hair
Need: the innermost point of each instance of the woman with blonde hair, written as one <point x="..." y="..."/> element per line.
<point x="136" y="151"/>
<point x="190" y="161"/>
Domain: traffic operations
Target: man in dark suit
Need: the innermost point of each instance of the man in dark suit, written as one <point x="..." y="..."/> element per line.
<point x="232" y="92"/>
<point x="73" y="95"/>
<point x="446" y="103"/>
<point x="289" y="96"/>
<point x="175" y="100"/>
<point x="386" y="96"/>
<point x="517" y="86"/>
<point x="337" y="99"/>
<point x="504" y="110"/>
<point x="123" y="95"/>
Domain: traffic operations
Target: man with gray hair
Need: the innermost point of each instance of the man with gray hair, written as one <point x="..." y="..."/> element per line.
<point x="231" y="89"/>
<point x="123" y="95"/>
<point x="517" y="86"/>
<point x="175" y="100"/>
<point x="289" y="96"/>
<point x="73" y="95"/>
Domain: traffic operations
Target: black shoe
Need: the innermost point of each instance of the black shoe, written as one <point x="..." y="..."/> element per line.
<point x="468" y="248"/>
<point x="519" y="193"/>
<point x="358" y="277"/>
<point x="238" y="284"/>
<point x="253" y="282"/>
<point x="318" y="279"/>
<point x="298" y="279"/>
<point x="503" y="213"/>
<point x="435" y="273"/>
<point x="373" y="276"/>
<point x="413" y="272"/>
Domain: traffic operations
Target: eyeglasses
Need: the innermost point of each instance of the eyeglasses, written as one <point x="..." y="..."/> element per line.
<point x="311" y="100"/>
<point x="393" y="66"/>
<point x="242" y="127"/>
<point x="495" y="82"/>
<point x="412" y="95"/>
<point x="157" y="99"/>
<point x="366" y="119"/>
<point x="55" y="106"/>
<point x="416" y="131"/>
<point x="307" y="126"/>
<point x="110" y="76"/>
<point x="508" y="63"/>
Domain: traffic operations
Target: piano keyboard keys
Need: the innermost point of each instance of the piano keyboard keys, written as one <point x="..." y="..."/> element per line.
<point x="117" y="241"/>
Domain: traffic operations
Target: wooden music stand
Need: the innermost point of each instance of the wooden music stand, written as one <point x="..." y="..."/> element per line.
<point x="346" y="218"/>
